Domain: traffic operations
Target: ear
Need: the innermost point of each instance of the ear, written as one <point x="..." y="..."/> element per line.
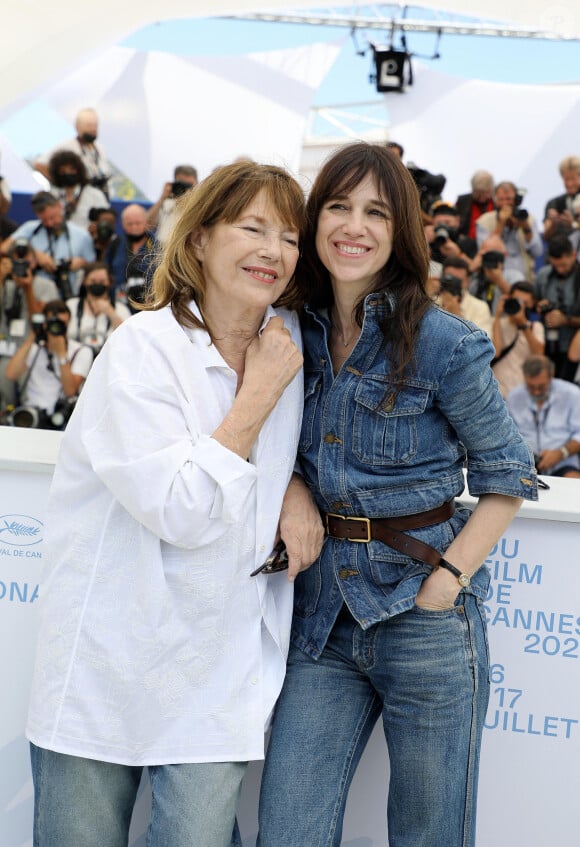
<point x="199" y="239"/>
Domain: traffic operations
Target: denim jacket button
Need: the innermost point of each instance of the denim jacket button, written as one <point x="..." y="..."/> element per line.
<point x="344" y="573"/>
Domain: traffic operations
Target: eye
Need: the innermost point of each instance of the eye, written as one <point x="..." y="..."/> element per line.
<point x="337" y="205"/>
<point x="290" y="240"/>
<point x="379" y="213"/>
<point x="248" y="228"/>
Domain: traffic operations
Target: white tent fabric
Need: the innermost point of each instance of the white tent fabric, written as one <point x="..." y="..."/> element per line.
<point x="158" y="110"/>
<point x="18" y="173"/>
<point x="517" y="132"/>
<point x="43" y="41"/>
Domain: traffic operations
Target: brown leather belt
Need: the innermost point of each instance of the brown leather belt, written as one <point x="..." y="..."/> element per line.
<point x="388" y="531"/>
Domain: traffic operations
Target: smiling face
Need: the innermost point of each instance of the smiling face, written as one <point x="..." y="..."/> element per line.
<point x="248" y="263"/>
<point x="354" y="236"/>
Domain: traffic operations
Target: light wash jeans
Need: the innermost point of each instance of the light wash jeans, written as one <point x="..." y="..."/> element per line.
<point x="86" y="803"/>
<point x="426" y="673"/>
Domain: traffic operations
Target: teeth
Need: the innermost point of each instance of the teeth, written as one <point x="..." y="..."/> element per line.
<point x="345" y="248"/>
<point x="263" y="275"/>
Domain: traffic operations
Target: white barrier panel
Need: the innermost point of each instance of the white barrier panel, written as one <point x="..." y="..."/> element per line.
<point x="532" y="738"/>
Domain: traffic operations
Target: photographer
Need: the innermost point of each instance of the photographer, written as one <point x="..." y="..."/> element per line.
<point x="22" y="293"/>
<point x="70" y="182"/>
<point x="102" y="229"/>
<point x="472" y="309"/>
<point x="94" y="313"/>
<point x="515" y="226"/>
<point x="51" y="368"/>
<point x="547" y="413"/>
<point x="443" y="235"/>
<point x="558" y="293"/>
<point x="517" y="334"/>
<point x="161" y="216"/>
<point x="131" y="257"/>
<point x="491" y="279"/>
<point x="62" y="249"/>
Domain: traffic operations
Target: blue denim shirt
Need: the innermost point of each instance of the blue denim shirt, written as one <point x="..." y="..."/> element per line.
<point x="366" y="452"/>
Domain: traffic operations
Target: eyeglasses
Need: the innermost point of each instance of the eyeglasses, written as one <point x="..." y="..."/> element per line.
<point x="261" y="233"/>
<point x="276" y="561"/>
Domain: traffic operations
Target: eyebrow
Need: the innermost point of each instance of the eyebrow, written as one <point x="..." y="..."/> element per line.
<point x="259" y="219"/>
<point x="345" y="196"/>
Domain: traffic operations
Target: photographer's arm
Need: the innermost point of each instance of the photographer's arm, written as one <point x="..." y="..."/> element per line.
<point x="17" y="366"/>
<point x="71" y="382"/>
<point x="153" y="213"/>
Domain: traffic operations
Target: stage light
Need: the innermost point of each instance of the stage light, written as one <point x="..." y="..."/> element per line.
<point x="390" y="69"/>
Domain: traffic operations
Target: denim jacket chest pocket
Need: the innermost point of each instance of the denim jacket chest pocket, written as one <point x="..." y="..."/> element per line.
<point x="385" y="427"/>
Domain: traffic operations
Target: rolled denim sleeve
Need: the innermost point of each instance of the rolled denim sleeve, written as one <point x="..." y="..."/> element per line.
<point x="498" y="459"/>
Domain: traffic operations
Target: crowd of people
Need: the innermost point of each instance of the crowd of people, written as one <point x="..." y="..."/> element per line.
<point x="311" y="379"/>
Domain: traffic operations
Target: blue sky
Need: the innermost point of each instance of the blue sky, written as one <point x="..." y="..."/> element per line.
<point x="494" y="59"/>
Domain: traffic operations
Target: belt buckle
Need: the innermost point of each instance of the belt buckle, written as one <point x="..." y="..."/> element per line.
<point x="366" y="521"/>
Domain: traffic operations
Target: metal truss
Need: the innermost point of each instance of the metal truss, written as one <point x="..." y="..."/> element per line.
<point x="382" y="20"/>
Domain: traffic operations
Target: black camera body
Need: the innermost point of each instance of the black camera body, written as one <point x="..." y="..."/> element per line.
<point x="178" y="188"/>
<point x="512" y="306"/>
<point x="50" y="325"/>
<point x="62" y="279"/>
<point x="430" y="185"/>
<point x="31" y="417"/>
<point x="442" y="235"/>
<point x="546" y="307"/>
<point x="20" y="267"/>
<point x="492" y="259"/>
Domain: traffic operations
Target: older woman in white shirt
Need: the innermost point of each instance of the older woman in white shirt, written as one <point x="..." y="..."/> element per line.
<point x="156" y="647"/>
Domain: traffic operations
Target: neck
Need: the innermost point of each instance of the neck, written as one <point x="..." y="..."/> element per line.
<point x="233" y="332"/>
<point x="342" y="318"/>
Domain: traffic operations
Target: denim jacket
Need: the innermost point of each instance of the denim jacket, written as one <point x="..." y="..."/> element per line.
<point x="365" y="451"/>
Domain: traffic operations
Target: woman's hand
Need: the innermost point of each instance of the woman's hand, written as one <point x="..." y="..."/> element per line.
<point x="301" y="527"/>
<point x="439" y="591"/>
<point x="272" y="361"/>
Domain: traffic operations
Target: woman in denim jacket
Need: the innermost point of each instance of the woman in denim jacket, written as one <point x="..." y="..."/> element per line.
<point x="399" y="395"/>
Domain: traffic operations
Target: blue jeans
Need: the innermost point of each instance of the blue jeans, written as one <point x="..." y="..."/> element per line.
<point x="426" y="673"/>
<point x="87" y="803"/>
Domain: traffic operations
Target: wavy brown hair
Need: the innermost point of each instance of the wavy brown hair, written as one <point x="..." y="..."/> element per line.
<point x="221" y="197"/>
<point x="404" y="276"/>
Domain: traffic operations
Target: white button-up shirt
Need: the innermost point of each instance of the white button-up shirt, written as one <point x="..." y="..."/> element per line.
<point x="155" y="645"/>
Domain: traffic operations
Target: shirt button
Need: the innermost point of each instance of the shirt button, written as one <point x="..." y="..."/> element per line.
<point x="339" y="504"/>
<point x="344" y="573"/>
<point x="254" y="680"/>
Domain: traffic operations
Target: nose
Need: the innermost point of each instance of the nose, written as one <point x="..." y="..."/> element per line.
<point x="354" y="223"/>
<point x="271" y="244"/>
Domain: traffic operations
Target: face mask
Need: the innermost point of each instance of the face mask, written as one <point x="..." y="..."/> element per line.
<point x="132" y="238"/>
<point x="96" y="289"/>
<point x="67" y="180"/>
<point x="88" y="137"/>
<point x="104" y="231"/>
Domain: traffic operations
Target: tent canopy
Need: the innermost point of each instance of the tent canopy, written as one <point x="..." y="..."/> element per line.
<point x="43" y="41"/>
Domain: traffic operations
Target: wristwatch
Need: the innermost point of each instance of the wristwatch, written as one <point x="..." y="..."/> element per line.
<point x="463" y="578"/>
<point x="62" y="360"/>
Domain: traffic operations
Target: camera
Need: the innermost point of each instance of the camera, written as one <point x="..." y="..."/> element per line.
<point x="492" y="259"/>
<point x="520" y="214"/>
<point x="442" y="234"/>
<point x="20" y="267"/>
<point x="31" y="417"/>
<point x="512" y="306"/>
<point x="430" y="185"/>
<point x="178" y="188"/>
<point x="62" y="279"/>
<point x="20" y="251"/>
<point x="546" y="307"/>
<point x="50" y="324"/>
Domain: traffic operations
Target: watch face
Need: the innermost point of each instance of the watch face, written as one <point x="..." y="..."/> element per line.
<point x="464" y="580"/>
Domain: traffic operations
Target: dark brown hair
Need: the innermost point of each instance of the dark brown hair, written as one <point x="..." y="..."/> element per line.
<point x="221" y="197"/>
<point x="404" y="276"/>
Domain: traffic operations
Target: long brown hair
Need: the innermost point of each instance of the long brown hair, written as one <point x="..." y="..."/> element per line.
<point x="221" y="197"/>
<point x="404" y="276"/>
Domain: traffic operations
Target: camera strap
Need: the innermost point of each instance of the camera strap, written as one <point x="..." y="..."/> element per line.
<point x="504" y="352"/>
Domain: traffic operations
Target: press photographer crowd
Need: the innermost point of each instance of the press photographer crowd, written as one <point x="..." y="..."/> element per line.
<point x="72" y="274"/>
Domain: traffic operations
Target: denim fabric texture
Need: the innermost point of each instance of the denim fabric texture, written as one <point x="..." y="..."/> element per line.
<point x="86" y="803"/>
<point x="425" y="673"/>
<point x="361" y="647"/>
<point x="366" y="451"/>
